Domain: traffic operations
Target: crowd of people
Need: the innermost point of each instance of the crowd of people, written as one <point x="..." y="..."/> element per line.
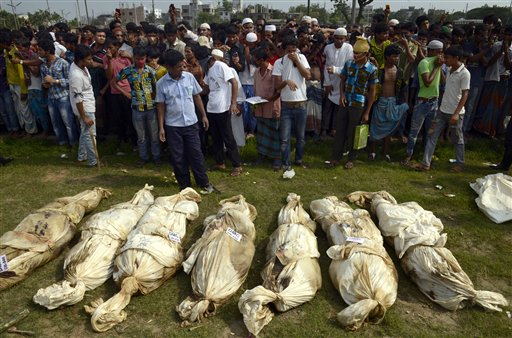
<point x="155" y="85"/>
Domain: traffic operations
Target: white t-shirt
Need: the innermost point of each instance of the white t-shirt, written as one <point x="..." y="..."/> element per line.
<point x="80" y="89"/>
<point x="284" y="67"/>
<point x="217" y="78"/>
<point x="456" y="82"/>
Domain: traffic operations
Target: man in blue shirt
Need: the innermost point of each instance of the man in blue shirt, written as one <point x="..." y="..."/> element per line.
<point x="176" y="93"/>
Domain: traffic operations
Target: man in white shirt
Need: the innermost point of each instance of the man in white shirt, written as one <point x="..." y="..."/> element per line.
<point x="451" y="112"/>
<point x="336" y="54"/>
<point x="221" y="104"/>
<point x="290" y="73"/>
<point x="83" y="104"/>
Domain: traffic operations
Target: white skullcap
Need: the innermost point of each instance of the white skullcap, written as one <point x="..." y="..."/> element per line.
<point x="246" y="21"/>
<point x="251" y="37"/>
<point x="218" y="53"/>
<point x="393" y="22"/>
<point x="203" y="41"/>
<point x="205" y="26"/>
<point x="340" y="31"/>
<point x="435" y="44"/>
<point x="270" y="28"/>
<point x="314" y="20"/>
<point x="306" y="18"/>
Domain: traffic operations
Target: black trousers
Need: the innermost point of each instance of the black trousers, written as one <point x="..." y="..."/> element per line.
<point x="186" y="153"/>
<point x="347" y="119"/>
<point x="222" y="135"/>
<point x="121" y="118"/>
<point x="329" y="112"/>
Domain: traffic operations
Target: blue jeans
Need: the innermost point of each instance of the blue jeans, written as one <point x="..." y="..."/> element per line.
<point x="85" y="146"/>
<point x="7" y="112"/>
<point x="292" y="118"/>
<point x="249" y="119"/>
<point x="37" y="103"/>
<point x="63" y="120"/>
<point x="456" y="134"/>
<point x="146" y="126"/>
<point x="423" y="114"/>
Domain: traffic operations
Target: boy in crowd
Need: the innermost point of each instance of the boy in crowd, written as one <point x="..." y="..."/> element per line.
<point x="451" y="111"/>
<point x="178" y="123"/>
<point x="357" y="94"/>
<point x="142" y="80"/>
<point x="82" y="102"/>
<point x="153" y="55"/>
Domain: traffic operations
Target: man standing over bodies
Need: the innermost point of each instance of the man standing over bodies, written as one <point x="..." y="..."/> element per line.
<point x="176" y="93"/>
<point x="430" y="76"/>
<point x="83" y="104"/>
<point x="451" y="112"/>
<point x="221" y="103"/>
<point x="336" y="54"/>
<point x="357" y="94"/>
<point x="290" y="74"/>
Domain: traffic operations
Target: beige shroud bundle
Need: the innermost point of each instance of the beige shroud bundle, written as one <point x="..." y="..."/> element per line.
<point x="361" y="269"/>
<point x="291" y="275"/>
<point x="219" y="261"/>
<point x="90" y="262"/>
<point x="151" y="255"/>
<point x="43" y="234"/>
<point x="417" y="237"/>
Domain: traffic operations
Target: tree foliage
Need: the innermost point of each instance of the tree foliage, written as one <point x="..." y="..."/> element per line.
<point x="44" y="18"/>
<point x="343" y="7"/>
<point x="6" y="19"/>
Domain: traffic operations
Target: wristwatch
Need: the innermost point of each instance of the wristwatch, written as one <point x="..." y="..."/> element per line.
<point x="21" y="62"/>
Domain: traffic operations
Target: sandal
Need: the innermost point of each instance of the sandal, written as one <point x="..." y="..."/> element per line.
<point x="388" y="158"/>
<point x="236" y="172"/>
<point x="457" y="169"/>
<point x="218" y="167"/>
<point x="421" y="167"/>
<point x="332" y="163"/>
<point x="371" y="156"/>
<point x="349" y="165"/>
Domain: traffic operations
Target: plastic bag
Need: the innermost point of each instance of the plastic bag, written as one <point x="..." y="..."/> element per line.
<point x="43" y="234"/>
<point x="361" y="136"/>
<point x="90" y="262"/>
<point x="361" y="270"/>
<point x="419" y="242"/>
<point x="151" y="255"/>
<point x="219" y="261"/>
<point x="292" y="274"/>
<point x="494" y="196"/>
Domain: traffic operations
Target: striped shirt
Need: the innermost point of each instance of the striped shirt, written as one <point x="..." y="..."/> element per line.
<point x="143" y="86"/>
<point x="357" y="81"/>
<point x="59" y="70"/>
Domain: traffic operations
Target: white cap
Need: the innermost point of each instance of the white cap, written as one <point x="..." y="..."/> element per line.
<point x="340" y="31"/>
<point x="218" y="53"/>
<point x="203" y="41"/>
<point x="270" y="28"/>
<point x="205" y="26"/>
<point x="393" y="22"/>
<point x="314" y="20"/>
<point x="435" y="44"/>
<point x="251" y="37"/>
<point x="247" y="20"/>
<point x="306" y="18"/>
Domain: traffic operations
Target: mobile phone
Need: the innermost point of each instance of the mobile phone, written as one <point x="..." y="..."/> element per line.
<point x="235" y="54"/>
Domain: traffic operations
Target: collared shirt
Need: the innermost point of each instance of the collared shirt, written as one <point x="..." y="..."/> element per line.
<point x="264" y="86"/>
<point x="357" y="81"/>
<point x="456" y="82"/>
<point x="80" y="89"/>
<point x="142" y="86"/>
<point x="117" y="64"/>
<point x="426" y="66"/>
<point x="177" y="45"/>
<point x="378" y="51"/>
<point x="59" y="70"/>
<point x="178" y="98"/>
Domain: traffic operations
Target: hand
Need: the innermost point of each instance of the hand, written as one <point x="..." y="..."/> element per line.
<point x="109" y="54"/>
<point x="162" y="135"/>
<point x="48" y="79"/>
<point x="292" y="85"/>
<point x="236" y="59"/>
<point x="234" y="109"/>
<point x="330" y="69"/>
<point x="224" y="48"/>
<point x="403" y="41"/>
<point x="454" y="119"/>
<point x="103" y="91"/>
<point x="343" y="100"/>
<point x="365" y="117"/>
<point x="439" y="60"/>
<point x="128" y="95"/>
<point x="294" y="57"/>
<point x="88" y="121"/>
<point x="15" y="61"/>
<point x="23" y="97"/>
<point x="328" y="90"/>
<point x="206" y="124"/>
<point x="374" y="61"/>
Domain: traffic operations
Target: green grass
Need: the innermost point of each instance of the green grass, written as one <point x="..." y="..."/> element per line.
<point x="484" y="250"/>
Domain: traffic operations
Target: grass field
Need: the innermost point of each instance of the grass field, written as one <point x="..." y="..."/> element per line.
<point x="484" y="249"/>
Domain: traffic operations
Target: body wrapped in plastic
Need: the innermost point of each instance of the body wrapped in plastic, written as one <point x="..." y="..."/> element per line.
<point x="291" y="275"/>
<point x="219" y="261"/>
<point x="90" y="262"/>
<point x="151" y="255"/>
<point x="361" y="269"/>
<point x="417" y="237"/>
<point x="43" y="234"/>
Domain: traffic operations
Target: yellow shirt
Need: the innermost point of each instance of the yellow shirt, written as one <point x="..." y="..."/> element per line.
<point x="160" y="71"/>
<point x="15" y="74"/>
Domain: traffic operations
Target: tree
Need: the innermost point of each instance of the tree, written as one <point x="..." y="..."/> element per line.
<point x="341" y="10"/>
<point x="344" y="8"/>
<point x="6" y="19"/>
<point x="207" y="17"/>
<point x="362" y="4"/>
<point x="44" y="18"/>
<point x="227" y="5"/>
